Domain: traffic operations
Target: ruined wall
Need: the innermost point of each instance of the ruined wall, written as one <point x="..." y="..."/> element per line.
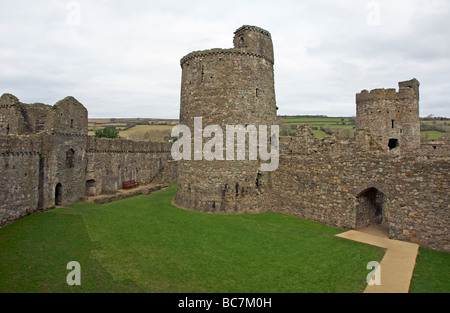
<point x="423" y="211"/>
<point x="63" y="153"/>
<point x="11" y="118"/>
<point x="43" y="155"/>
<point x="47" y="158"/>
<point x="384" y="176"/>
<point x="18" y="118"/>
<point x="226" y="87"/>
<point x="112" y="161"/>
<point x="434" y="149"/>
<point x="329" y="181"/>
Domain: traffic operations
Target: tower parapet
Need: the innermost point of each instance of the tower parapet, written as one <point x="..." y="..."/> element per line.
<point x="391" y="116"/>
<point x="253" y="39"/>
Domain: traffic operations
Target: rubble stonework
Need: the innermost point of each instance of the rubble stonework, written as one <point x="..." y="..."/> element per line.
<point x="391" y="116"/>
<point x="384" y="176"/>
<point x="227" y="87"/>
<point x="47" y="158"/>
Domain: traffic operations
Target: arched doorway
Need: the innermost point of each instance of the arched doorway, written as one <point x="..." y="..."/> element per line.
<point x="58" y="194"/>
<point x="90" y="188"/>
<point x="371" y="208"/>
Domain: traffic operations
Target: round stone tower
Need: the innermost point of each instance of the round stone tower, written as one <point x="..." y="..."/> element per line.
<point x="227" y="87"/>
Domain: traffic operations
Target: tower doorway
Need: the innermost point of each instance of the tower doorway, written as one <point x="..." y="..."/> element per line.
<point x="58" y="194"/>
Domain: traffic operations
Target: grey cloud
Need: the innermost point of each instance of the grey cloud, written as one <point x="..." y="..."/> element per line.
<point x="123" y="58"/>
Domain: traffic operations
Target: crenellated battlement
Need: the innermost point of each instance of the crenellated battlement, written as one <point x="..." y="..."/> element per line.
<point x="406" y="91"/>
<point x="244" y="28"/>
<point x="391" y="116"/>
<point x="221" y="52"/>
<point x="105" y="145"/>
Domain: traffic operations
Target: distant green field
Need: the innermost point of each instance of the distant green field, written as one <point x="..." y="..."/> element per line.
<point x="319" y="124"/>
<point x="135" y="128"/>
<point x="431" y="129"/>
<point x="434" y="129"/>
<point x="154" y="131"/>
<point x="432" y="134"/>
<point x="319" y="134"/>
<point x="315" y="119"/>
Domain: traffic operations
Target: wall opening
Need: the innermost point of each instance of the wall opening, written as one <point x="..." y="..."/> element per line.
<point x="258" y="180"/>
<point x="393" y="143"/>
<point x="58" y="194"/>
<point x="371" y="208"/>
<point x="90" y="188"/>
<point x="393" y="123"/>
<point x="42" y="161"/>
<point x="70" y="156"/>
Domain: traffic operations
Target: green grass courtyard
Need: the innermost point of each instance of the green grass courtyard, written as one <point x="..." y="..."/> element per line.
<point x="145" y="244"/>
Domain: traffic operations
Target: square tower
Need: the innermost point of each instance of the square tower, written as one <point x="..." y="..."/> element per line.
<point x="391" y="117"/>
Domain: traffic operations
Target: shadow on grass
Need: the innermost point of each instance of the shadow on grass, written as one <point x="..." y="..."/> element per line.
<point x="35" y="252"/>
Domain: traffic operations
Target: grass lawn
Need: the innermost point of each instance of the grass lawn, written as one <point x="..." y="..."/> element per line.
<point x="432" y="272"/>
<point x="145" y="244"/>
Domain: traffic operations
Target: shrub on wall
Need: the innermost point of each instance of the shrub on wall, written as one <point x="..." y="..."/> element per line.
<point x="107" y="132"/>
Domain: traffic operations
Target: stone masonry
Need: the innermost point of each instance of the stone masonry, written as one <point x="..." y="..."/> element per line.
<point x="47" y="158"/>
<point x="227" y="87"/>
<point x="384" y="176"/>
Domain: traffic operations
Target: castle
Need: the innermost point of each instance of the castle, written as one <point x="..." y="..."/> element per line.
<point x="384" y="175"/>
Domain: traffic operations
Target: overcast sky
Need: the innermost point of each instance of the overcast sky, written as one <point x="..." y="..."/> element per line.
<point x="122" y="58"/>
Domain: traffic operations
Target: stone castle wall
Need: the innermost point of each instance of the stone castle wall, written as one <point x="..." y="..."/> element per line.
<point x="47" y="158"/>
<point x="113" y="161"/>
<point x="384" y="176"/>
<point x="19" y="174"/>
<point x="327" y="181"/>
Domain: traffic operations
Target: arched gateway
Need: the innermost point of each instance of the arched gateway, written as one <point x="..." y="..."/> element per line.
<point x="371" y="208"/>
